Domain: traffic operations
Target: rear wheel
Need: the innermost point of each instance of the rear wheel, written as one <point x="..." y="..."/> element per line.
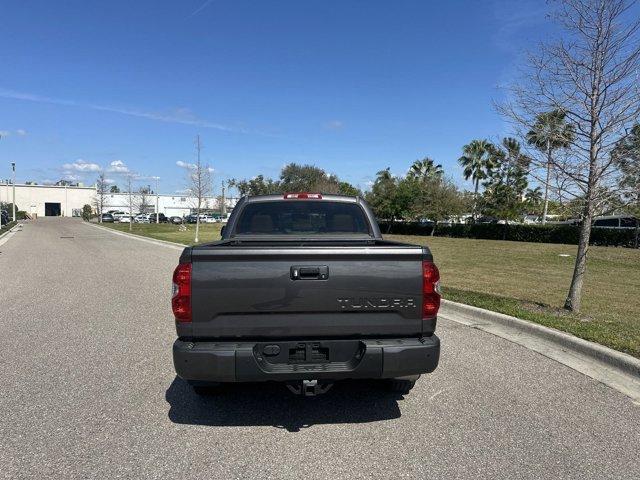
<point x="400" y="385"/>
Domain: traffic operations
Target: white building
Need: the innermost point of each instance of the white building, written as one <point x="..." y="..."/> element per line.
<point x="171" y="205"/>
<point x="67" y="201"/>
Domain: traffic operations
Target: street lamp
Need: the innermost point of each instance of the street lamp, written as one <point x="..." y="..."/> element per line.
<point x="13" y="167"/>
<point x="157" y="179"/>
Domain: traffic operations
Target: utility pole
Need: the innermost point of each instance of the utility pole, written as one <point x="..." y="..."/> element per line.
<point x="13" y="166"/>
<point x="0" y="198"/>
<point x="223" y="207"/>
<point x="157" y="201"/>
<point x="130" y="202"/>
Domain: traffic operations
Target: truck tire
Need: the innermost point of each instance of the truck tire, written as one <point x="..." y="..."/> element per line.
<point x="399" y="385"/>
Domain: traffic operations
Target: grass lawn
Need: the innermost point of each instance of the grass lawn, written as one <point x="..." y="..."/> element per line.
<point x="531" y="280"/>
<point x="526" y="280"/>
<point x="171" y="233"/>
<point x="6" y="227"/>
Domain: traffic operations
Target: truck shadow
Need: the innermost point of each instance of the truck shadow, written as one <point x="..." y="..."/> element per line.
<point x="263" y="404"/>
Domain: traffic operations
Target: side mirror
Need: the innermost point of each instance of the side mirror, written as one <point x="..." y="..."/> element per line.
<point x="224" y="227"/>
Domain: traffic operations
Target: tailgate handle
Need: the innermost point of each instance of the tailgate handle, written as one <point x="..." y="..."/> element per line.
<point x="309" y="272"/>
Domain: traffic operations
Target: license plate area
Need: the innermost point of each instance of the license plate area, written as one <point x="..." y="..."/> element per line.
<point x="316" y="352"/>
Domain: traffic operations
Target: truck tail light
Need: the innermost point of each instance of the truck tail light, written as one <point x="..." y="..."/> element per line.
<point x="430" y="290"/>
<point x="181" y="298"/>
<point x="317" y="196"/>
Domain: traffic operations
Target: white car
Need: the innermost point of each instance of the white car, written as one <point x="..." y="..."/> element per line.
<point x="124" y="219"/>
<point x="141" y="218"/>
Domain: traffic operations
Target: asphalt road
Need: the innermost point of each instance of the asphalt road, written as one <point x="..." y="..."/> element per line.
<point x="88" y="390"/>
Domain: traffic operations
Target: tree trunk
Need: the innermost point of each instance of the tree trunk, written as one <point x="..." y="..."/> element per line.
<point x="546" y="186"/>
<point x="433" y="230"/>
<point x="574" y="298"/>
<point x="475" y="201"/>
<point x="197" y="222"/>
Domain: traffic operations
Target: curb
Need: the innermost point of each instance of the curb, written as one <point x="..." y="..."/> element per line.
<point x="5" y="236"/>
<point x="621" y="361"/>
<point x="135" y="236"/>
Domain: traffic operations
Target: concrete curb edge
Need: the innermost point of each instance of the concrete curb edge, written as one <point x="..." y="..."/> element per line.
<point x="619" y="360"/>
<point x="135" y="236"/>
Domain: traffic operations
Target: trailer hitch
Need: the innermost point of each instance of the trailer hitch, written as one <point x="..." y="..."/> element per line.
<point x="309" y="388"/>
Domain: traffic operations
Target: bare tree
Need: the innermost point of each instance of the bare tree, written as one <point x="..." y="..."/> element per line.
<point x="590" y="74"/>
<point x="142" y="200"/>
<point x="131" y="199"/>
<point x="102" y="189"/>
<point x="199" y="184"/>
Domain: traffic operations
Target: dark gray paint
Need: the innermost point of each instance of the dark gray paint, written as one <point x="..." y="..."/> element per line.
<point x="244" y="288"/>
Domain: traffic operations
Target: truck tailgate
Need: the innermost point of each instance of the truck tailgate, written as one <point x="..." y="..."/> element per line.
<point x="284" y="291"/>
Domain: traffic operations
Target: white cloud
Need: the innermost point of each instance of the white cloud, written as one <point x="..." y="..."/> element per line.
<point x="334" y="125"/>
<point x="181" y="115"/>
<point x="200" y="8"/>
<point x="109" y="181"/>
<point x="72" y="177"/>
<point x="118" y="166"/>
<point x="7" y="133"/>
<point x="81" y="166"/>
<point x="182" y="164"/>
<point x="191" y="166"/>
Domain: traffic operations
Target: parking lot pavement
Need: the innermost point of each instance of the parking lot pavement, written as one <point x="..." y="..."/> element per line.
<point x="89" y="391"/>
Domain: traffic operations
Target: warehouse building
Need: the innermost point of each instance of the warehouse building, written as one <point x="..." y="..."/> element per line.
<point x="67" y="201"/>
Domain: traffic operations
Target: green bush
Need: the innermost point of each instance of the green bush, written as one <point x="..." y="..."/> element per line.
<point x="87" y="212"/>
<point x="568" y="234"/>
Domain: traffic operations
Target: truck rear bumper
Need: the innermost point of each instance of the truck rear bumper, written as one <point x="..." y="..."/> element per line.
<point x="304" y="359"/>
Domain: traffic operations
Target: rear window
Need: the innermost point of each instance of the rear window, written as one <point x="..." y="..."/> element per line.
<point x="302" y="217"/>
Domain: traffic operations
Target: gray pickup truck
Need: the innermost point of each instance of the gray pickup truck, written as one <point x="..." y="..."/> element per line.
<point x="302" y="289"/>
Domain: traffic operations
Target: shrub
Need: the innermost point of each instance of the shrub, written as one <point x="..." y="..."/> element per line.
<point x="519" y="233"/>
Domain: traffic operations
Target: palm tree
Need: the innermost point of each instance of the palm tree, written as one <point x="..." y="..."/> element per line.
<point x="425" y="169"/>
<point x="550" y="132"/>
<point x="533" y="197"/>
<point x="477" y="163"/>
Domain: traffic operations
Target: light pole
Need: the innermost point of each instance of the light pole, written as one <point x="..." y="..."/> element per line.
<point x="1" y="198"/>
<point x="13" y="167"/>
<point x="157" y="201"/>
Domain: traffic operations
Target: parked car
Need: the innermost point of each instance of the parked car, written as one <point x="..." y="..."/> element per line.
<point x="106" y="218"/>
<point x="141" y="218"/>
<point x="191" y="218"/>
<point x="176" y="220"/>
<point x="118" y="214"/>
<point x="208" y="219"/>
<point x="161" y="218"/>
<point x="329" y="299"/>
<point x="125" y="219"/>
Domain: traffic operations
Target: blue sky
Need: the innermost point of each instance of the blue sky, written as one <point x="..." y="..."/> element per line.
<point x="352" y="86"/>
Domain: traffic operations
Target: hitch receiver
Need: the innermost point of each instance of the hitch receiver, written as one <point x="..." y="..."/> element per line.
<point x="309" y="388"/>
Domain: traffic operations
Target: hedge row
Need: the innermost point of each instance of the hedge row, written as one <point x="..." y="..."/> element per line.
<point x="520" y="233"/>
